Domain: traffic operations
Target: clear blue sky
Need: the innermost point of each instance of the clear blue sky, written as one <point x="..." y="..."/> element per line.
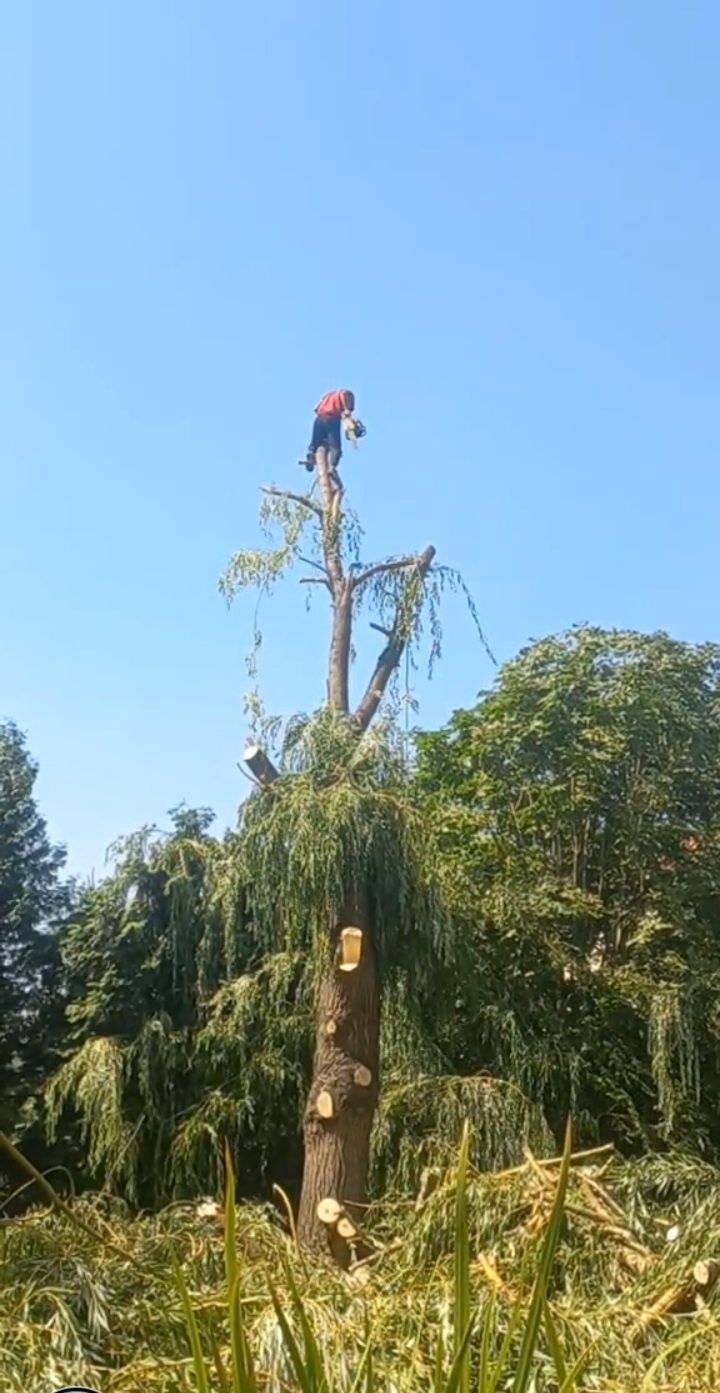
<point x="497" y="223"/>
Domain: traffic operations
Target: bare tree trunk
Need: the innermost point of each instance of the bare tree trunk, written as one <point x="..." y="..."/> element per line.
<point x="345" y="1084"/>
<point x="340" y="585"/>
<point x="339" y="667"/>
<point x="343" y="1094"/>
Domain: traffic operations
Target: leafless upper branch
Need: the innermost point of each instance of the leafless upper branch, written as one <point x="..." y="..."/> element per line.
<point x="401" y="563"/>
<point x="316" y="580"/>
<point x="308" y="561"/>
<point x="391" y="654"/>
<point x="301" y="498"/>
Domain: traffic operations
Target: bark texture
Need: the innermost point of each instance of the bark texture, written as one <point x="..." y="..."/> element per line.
<point x="346" y="1068"/>
<point x="347" y="1048"/>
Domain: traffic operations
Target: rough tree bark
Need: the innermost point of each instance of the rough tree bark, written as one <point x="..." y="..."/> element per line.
<point x="344" y="1090"/>
<point x="345" y="1084"/>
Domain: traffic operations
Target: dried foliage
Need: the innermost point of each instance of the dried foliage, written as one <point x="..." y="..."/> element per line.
<point x="621" y="1296"/>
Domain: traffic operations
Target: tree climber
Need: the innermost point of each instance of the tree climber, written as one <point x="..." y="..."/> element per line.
<point x="334" y="408"/>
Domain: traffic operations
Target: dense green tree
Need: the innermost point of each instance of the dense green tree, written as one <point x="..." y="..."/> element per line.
<point x="168" y="996"/>
<point x="543" y="892"/>
<point x="577" y="808"/>
<point x="33" y="899"/>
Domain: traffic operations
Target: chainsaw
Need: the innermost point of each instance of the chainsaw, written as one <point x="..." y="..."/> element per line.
<point x="354" y="430"/>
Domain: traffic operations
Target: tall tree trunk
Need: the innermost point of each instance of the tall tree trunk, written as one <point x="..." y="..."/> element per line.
<point x="344" y="1092"/>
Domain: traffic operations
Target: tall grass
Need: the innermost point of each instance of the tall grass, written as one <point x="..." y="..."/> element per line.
<point x="496" y="1283"/>
<point x="456" y="1371"/>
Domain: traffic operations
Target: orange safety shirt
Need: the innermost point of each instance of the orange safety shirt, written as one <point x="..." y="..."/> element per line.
<point x="334" y="403"/>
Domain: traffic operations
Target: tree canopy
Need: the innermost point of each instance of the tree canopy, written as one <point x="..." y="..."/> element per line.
<point x="546" y="883"/>
<point x="578" y="811"/>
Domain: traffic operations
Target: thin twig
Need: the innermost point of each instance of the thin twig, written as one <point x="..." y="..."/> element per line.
<point x="301" y="498"/>
<point x="255" y="782"/>
<point x="55" y="1200"/>
<point x="308" y="561"/>
<point x="400" y="564"/>
<point x="578" y="1158"/>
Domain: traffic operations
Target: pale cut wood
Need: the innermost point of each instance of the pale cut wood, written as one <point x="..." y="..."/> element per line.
<point x="346" y="1228"/>
<point x="363" y="1076"/>
<point x="329" y="1211"/>
<point x="324" y="1105"/>
<point x="259" y="765"/>
<point x="351" y="945"/>
<point x="706" y="1272"/>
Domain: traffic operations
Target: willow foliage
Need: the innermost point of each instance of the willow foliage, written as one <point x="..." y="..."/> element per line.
<point x="192" y="971"/>
<point x="344" y="818"/>
<point x="545" y="890"/>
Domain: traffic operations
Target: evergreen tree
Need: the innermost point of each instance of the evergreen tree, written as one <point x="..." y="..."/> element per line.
<point x="181" y="1032"/>
<point x="32" y="901"/>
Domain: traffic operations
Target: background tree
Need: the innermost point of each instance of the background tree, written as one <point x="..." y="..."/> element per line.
<point x="333" y="850"/>
<point x="32" y="900"/>
<point x="578" y="811"/>
<point x="181" y="1032"/>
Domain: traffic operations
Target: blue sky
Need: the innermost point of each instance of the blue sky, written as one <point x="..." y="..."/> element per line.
<point x="497" y="223"/>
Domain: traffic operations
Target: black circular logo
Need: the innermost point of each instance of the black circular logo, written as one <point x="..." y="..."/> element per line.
<point x="75" y="1388"/>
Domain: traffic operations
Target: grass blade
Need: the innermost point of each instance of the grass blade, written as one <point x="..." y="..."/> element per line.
<point x="364" y="1368"/>
<point x="578" y="1368"/>
<point x="313" y="1357"/>
<point x="285" y="1201"/>
<point x="554" y="1345"/>
<point x="547" y="1256"/>
<point x="487" y="1334"/>
<point x="222" y="1378"/>
<point x="664" y="1355"/>
<point x="502" y="1359"/>
<point x="461" y="1315"/>
<point x="243" y="1369"/>
<point x="439" y="1361"/>
<point x="291" y="1344"/>
<point x="191" y="1325"/>
<point x="461" y="1360"/>
<point x="230" y="1241"/>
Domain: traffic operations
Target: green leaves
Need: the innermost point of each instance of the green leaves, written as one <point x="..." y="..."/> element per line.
<point x="577" y="815"/>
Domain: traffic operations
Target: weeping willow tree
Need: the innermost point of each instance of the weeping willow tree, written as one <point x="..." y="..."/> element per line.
<point x="181" y="1031"/>
<point x="333" y="846"/>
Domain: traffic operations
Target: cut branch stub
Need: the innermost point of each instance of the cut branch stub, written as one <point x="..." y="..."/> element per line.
<point x="362" y="1076"/>
<point x="324" y="1105"/>
<point x="329" y="1211"/>
<point x="259" y="765"/>
<point x="706" y="1272"/>
<point x="330" y="1027"/>
<point x="346" y="1228"/>
<point x="351" y="940"/>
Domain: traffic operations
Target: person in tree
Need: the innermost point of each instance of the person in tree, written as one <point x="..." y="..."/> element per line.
<point x="334" y="408"/>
